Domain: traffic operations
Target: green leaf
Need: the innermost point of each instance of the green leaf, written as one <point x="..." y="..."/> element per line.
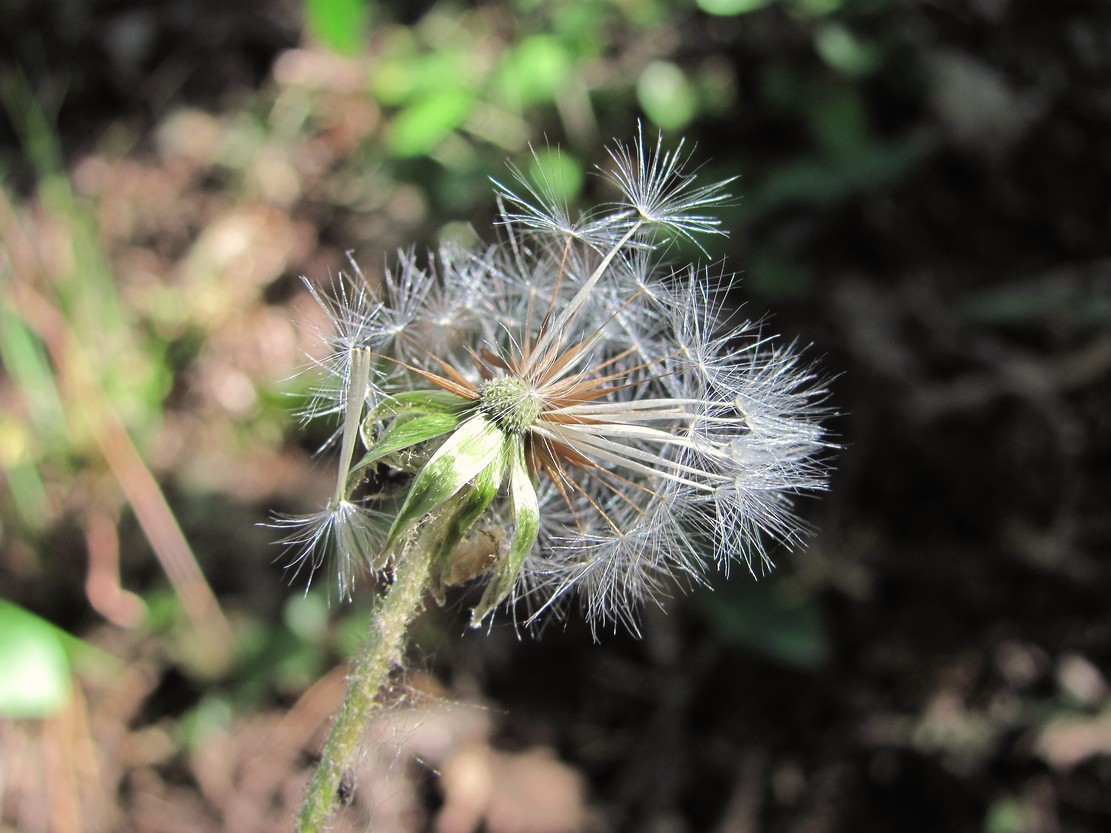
<point x="558" y="172"/>
<point x="405" y="432"/>
<point x="838" y="118"/>
<point x="212" y="717"/>
<point x="306" y="616"/>
<point x="1005" y="815"/>
<point x="666" y="95"/>
<point x="406" y="71"/>
<point x="825" y="182"/>
<point x="775" y="273"/>
<point x="34" y="668"/>
<point x="815" y="8"/>
<point x="474" y="446"/>
<point x="731" y="7"/>
<point x="845" y="52"/>
<point x="429" y="400"/>
<point x="533" y="71"/>
<point x="422" y="125"/>
<point x="339" y="25"/>
<point x="526" y="514"/>
<point x="24" y="358"/>
<point x="19" y="469"/>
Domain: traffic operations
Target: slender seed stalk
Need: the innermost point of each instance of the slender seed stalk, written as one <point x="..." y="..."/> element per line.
<point x="353" y="409"/>
<point x="554" y="332"/>
<point x="383" y="652"/>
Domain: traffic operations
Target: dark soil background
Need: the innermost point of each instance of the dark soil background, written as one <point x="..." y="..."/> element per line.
<point x="925" y="198"/>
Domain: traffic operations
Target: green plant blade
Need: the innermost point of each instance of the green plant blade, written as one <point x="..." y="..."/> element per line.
<point x="404" y="433"/>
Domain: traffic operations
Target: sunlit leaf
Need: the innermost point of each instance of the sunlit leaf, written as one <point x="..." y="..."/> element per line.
<point x="405" y="433"/>
<point x="467" y="508"/>
<point x="526" y="520"/>
<point x="473" y="447"/>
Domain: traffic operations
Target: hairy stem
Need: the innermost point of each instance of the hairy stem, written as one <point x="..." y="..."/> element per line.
<point x="383" y="652"/>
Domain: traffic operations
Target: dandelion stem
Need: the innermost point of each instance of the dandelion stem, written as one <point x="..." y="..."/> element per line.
<point x="383" y="652"/>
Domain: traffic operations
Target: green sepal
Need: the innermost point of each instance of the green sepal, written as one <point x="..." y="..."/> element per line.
<point x="406" y="432"/>
<point x="407" y="404"/>
<point x="430" y="400"/>
<point x="526" y="514"/>
<point x="474" y="446"/>
<point x="468" y="506"/>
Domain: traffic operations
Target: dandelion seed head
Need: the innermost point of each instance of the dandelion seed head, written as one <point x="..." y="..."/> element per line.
<point x="657" y="187"/>
<point x="607" y="422"/>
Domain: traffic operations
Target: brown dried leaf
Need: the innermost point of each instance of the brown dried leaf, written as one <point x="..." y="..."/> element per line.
<point x="530" y="792"/>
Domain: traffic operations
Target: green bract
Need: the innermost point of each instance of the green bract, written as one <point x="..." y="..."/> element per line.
<point x="474" y="446"/>
<point x="462" y="478"/>
<point x="526" y="512"/>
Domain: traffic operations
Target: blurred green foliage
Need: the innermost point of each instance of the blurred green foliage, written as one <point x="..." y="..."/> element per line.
<point x="732" y="7"/>
<point x="666" y="95"/>
<point x="451" y="91"/>
<point x="1005" y="815"/>
<point x="461" y="88"/>
<point x="38" y="663"/>
<point x="338" y="24"/>
<point x="34" y="667"/>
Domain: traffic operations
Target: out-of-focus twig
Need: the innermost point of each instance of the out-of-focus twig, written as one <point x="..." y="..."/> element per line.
<point x="102" y="582"/>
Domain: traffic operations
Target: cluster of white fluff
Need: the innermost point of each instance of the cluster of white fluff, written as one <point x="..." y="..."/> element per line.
<point x="660" y="436"/>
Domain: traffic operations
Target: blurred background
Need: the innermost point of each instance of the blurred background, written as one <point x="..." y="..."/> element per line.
<point x="924" y="197"/>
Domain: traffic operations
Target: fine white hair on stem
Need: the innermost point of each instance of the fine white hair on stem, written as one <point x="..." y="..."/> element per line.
<point x="572" y="422"/>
